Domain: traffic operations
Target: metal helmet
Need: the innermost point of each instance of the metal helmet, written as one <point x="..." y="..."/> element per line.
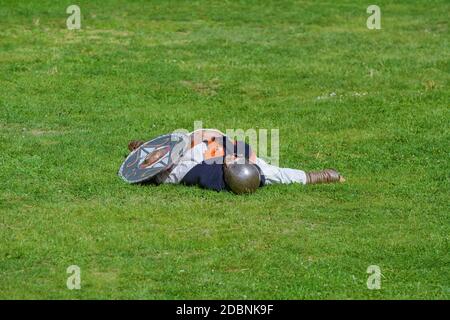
<point x="242" y="178"/>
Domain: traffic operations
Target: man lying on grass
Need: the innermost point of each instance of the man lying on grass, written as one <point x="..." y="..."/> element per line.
<point x="214" y="162"/>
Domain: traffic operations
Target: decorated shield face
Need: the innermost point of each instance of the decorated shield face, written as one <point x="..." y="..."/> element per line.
<point x="157" y="155"/>
<point x="153" y="157"/>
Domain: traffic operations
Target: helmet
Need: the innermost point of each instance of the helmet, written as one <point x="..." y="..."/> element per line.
<point x="242" y="178"/>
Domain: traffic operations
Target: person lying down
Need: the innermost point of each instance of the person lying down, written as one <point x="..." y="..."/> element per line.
<point x="217" y="163"/>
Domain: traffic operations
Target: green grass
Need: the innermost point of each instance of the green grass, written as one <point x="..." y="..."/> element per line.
<point x="71" y="100"/>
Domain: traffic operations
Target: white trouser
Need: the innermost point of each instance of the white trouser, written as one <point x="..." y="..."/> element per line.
<point x="275" y="174"/>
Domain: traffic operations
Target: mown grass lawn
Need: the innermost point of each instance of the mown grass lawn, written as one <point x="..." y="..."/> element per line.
<point x="372" y="103"/>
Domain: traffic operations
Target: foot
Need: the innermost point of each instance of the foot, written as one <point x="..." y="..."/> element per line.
<point x="324" y="176"/>
<point x="134" y="144"/>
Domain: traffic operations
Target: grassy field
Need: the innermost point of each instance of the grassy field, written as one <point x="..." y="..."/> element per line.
<point x="372" y="103"/>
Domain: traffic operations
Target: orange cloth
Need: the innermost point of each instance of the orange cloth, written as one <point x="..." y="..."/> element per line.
<point x="215" y="149"/>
